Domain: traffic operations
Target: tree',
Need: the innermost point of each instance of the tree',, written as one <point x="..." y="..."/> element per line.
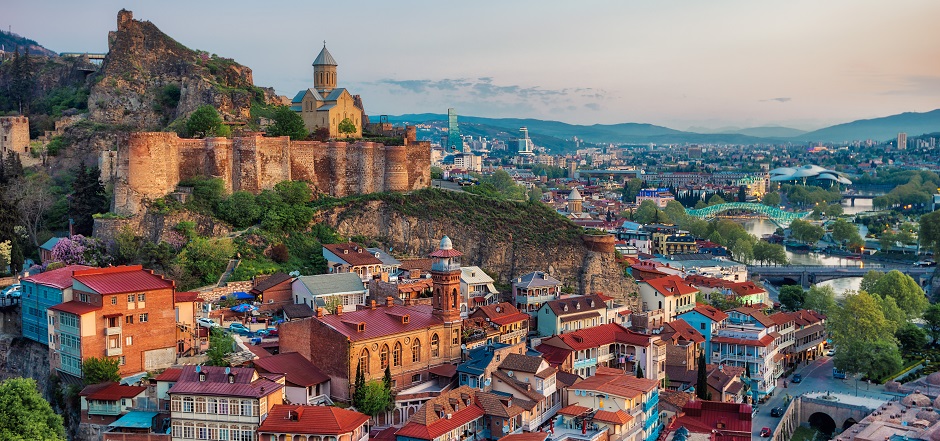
<point x="99" y="370"/>
<point x="743" y="252"/>
<point x="127" y="245"/>
<point x="360" y="387"/>
<point x="80" y="250"/>
<point x="639" y="371"/>
<point x="766" y="252"/>
<point x="288" y="123"/>
<point x="205" y="122"/>
<point x="387" y="383"/>
<point x="771" y="199"/>
<point x="892" y="312"/>
<point x="929" y="232"/>
<point x="742" y="193"/>
<point x="792" y="297"/>
<point x="932" y="320"/>
<point x="240" y="209"/>
<point x="701" y="383"/>
<point x="221" y="344"/>
<point x="346" y="127"/>
<point x="631" y="189"/>
<point x="869" y="280"/>
<point x="844" y="232"/>
<point x="87" y="199"/>
<point x="820" y="298"/>
<point x="535" y="195"/>
<point x="911" y="338"/>
<point x="205" y="259"/>
<point x="375" y="398"/>
<point x="887" y="240"/>
<point x="864" y="336"/>
<point x="25" y="415"/>
<point x="908" y="294"/>
<point x="806" y="232"/>
<point x="646" y="212"/>
<point x="675" y="211"/>
<point x="34" y="197"/>
<point x="6" y="251"/>
<point x="715" y="200"/>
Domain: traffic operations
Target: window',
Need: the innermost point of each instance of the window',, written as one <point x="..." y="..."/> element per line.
<point x="364" y="361"/>
<point x="188" y="404"/>
<point x="435" y="346"/>
<point x="129" y="319"/>
<point x="142" y="318"/>
<point x="114" y="300"/>
<point x="396" y="355"/>
<point x="130" y="298"/>
<point x="141" y="297"/>
<point x="383" y="357"/>
<point x="415" y="351"/>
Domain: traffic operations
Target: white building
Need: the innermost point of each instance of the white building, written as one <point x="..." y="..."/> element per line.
<point x="476" y="288"/>
<point x="330" y="290"/>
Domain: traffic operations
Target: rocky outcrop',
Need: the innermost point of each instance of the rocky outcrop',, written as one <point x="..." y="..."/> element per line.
<point x="154" y="226"/>
<point x="586" y="265"/>
<point x="142" y="62"/>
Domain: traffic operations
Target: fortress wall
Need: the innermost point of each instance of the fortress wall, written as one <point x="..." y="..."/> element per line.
<point x="149" y="165"/>
<point x="419" y="165"/>
<point x="336" y="183"/>
<point x="152" y="168"/>
<point x="246" y="171"/>
<point x="273" y="161"/>
<point x="396" y="168"/>
<point x="220" y="161"/>
<point x="360" y="161"/>
<point x="303" y="160"/>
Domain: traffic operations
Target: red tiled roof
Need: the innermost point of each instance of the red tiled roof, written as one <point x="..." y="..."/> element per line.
<point x="270" y="282"/>
<point x="553" y="354"/>
<point x="381" y="321"/>
<point x="217" y="383"/>
<point x="111" y="391"/>
<point x="761" y="318"/>
<point x="619" y="384"/>
<point x="312" y="420"/>
<point x="764" y="341"/>
<point x="670" y="286"/>
<point x="122" y="279"/>
<point x="573" y="410"/>
<point x="58" y="278"/>
<point x="294" y="366"/>
<point x="419" y="264"/>
<point x="501" y="313"/>
<point x="445" y="253"/>
<point x="185" y="297"/>
<point x="685" y="331"/>
<point x="575" y="304"/>
<point x="781" y="318"/>
<point x="75" y="307"/>
<point x="619" y="417"/>
<point x="747" y="288"/>
<point x="353" y="254"/>
<point x="603" y="335"/>
<point x="703" y="417"/>
<point x="171" y="374"/>
<point x="526" y="436"/>
<point x="437" y="428"/>
<point x="710" y="312"/>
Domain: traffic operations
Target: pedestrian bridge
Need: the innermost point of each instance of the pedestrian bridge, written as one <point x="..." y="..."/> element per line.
<point x="778" y="216"/>
<point x="808" y="275"/>
<point x="827" y="412"/>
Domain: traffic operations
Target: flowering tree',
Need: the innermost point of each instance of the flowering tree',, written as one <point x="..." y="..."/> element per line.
<point x="80" y="250"/>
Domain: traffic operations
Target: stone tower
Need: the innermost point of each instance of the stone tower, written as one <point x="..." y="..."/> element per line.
<point x="574" y="201"/>
<point x="324" y="72"/>
<point x="445" y="274"/>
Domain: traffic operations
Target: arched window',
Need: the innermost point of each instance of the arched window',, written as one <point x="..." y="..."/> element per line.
<point x="383" y="357"/>
<point x="396" y="355"/>
<point x="364" y="361"/>
<point x="416" y="350"/>
<point x="435" y="346"/>
<point x="455" y="296"/>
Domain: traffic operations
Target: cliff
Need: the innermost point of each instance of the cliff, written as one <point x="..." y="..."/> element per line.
<point x="507" y="239"/>
<point x="148" y="80"/>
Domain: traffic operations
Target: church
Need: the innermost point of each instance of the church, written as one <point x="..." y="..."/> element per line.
<point x="325" y="105"/>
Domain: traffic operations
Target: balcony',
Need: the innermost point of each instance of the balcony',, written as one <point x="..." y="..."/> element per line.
<point x="585" y="363"/>
<point x="114" y="330"/>
<point x="111" y="352"/>
<point x="108" y="408"/>
<point x="534" y="300"/>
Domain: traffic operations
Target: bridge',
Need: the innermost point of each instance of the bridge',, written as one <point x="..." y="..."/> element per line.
<point x="778" y="216"/>
<point x="808" y="275"/>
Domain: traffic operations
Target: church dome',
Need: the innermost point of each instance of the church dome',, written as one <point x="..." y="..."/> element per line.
<point x="325" y="58"/>
<point x="916" y="400"/>
<point x="574" y="195"/>
<point x="934" y="379"/>
<point x="936" y="403"/>
<point x="446" y="243"/>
